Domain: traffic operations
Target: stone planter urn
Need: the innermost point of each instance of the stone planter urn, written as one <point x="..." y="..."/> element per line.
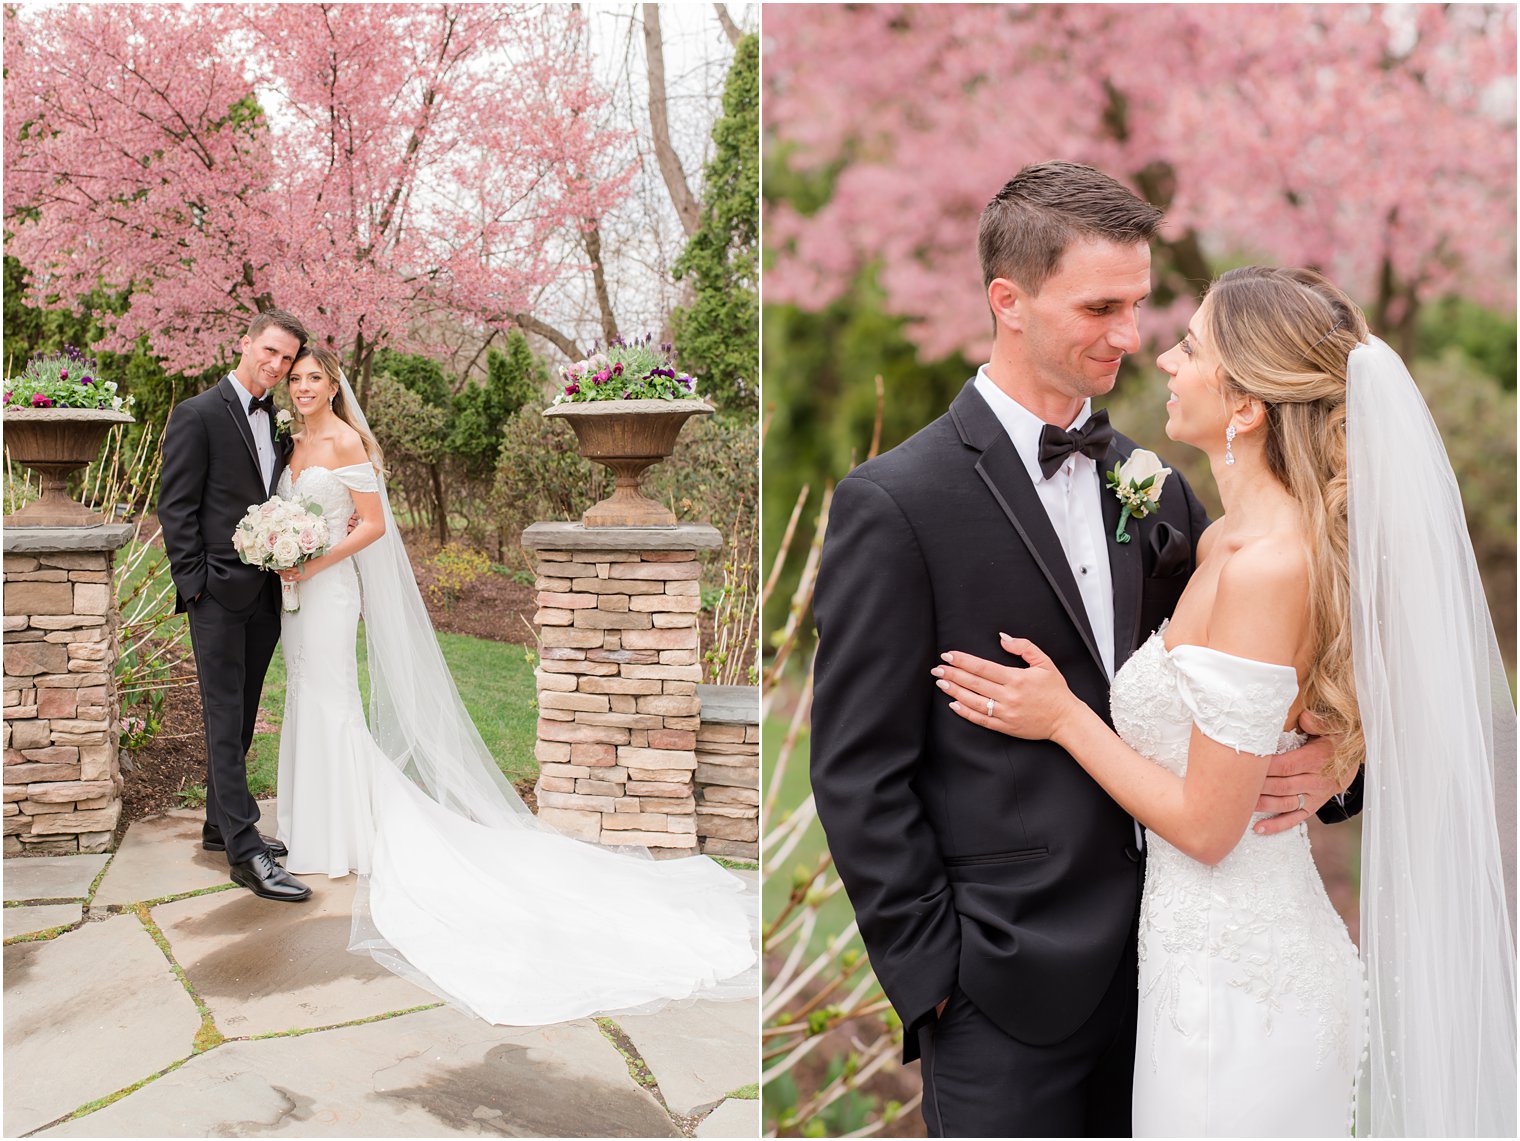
<point x="628" y="436"/>
<point x="55" y="442"/>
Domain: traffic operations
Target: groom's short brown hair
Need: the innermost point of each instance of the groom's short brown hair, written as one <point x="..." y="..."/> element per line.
<point x="1026" y="228"/>
<point x="279" y="319"/>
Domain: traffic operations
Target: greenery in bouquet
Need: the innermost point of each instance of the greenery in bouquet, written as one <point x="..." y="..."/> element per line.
<point x="63" y="380"/>
<point x="627" y="370"/>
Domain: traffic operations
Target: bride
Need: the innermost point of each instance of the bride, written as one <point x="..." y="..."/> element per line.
<point x="461" y="889"/>
<point x="1340" y="581"/>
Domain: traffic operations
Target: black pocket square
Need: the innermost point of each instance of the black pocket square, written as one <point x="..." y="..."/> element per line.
<point x="1169" y="550"/>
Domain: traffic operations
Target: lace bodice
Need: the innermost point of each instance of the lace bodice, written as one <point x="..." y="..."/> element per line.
<point x="1260" y="917"/>
<point x="329" y="488"/>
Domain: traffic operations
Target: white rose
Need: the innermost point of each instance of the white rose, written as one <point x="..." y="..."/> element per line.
<point x="283" y="418"/>
<point x="1140" y="466"/>
<point x="308" y="541"/>
<point x="286" y="550"/>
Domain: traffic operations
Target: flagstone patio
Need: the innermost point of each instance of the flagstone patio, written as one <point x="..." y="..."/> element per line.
<point x="145" y="995"/>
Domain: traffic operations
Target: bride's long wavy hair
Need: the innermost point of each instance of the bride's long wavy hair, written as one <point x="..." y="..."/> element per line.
<point x="332" y="369"/>
<point x="1284" y="336"/>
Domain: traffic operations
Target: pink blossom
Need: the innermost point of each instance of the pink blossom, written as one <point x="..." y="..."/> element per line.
<point x="484" y="158"/>
<point x="1253" y="125"/>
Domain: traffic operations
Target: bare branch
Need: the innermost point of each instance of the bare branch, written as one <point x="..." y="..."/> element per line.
<point x="591" y="236"/>
<point x="561" y="341"/>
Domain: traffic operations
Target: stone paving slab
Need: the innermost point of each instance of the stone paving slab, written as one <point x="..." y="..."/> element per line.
<point x="736" y="1117"/>
<point x="434" y="1073"/>
<point x="263" y="966"/>
<point x="50" y="877"/>
<point x="87" y="1014"/>
<point x="700" y="1051"/>
<point x="29" y="920"/>
<point x="162" y="856"/>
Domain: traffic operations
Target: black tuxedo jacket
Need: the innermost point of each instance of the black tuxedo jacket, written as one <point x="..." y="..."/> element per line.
<point x="973" y="858"/>
<point x="210" y="479"/>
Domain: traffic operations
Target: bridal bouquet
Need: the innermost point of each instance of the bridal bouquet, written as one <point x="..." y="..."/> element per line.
<point x="281" y="535"/>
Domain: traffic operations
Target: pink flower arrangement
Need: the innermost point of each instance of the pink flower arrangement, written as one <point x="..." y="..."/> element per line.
<point x="281" y="534"/>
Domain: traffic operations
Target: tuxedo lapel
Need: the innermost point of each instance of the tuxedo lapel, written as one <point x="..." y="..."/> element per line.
<point x="240" y="418"/>
<point x="280" y="455"/>
<point x="1124" y="565"/>
<point x="1002" y="470"/>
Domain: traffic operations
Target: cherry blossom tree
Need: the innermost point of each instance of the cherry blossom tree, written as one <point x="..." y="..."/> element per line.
<point x="1376" y="142"/>
<point x="357" y="164"/>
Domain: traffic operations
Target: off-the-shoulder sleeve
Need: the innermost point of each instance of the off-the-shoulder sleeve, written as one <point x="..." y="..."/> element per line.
<point x="358" y="477"/>
<point x="1235" y="701"/>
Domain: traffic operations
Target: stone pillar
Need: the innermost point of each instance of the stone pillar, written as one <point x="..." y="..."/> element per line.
<point x="617" y="681"/>
<point x="62" y="776"/>
<point x="728" y="771"/>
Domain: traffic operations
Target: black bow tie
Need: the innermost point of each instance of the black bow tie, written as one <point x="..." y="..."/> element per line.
<point x="261" y="404"/>
<point x="1091" y="439"/>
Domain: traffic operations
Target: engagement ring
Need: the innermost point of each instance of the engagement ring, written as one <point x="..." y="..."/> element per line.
<point x="991" y="705"/>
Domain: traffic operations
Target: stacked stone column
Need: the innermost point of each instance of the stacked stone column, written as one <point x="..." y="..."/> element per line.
<point x="62" y="776"/>
<point x="617" y="681"/>
<point x="728" y="771"/>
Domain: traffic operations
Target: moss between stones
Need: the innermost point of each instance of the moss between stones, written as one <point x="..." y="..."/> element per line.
<point x="208" y="1036"/>
<point x="336" y="1025"/>
<point x="39" y="936"/>
<point x="638" y="1069"/>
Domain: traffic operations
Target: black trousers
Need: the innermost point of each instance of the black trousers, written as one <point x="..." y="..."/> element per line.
<point x="232" y="652"/>
<point x="979" y="1082"/>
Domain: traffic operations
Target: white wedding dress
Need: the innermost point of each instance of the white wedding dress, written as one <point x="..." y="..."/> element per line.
<point x="498" y="914"/>
<point x="1251" y="992"/>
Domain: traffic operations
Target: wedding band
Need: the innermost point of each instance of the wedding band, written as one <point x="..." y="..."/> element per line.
<point x="1300" y="802"/>
<point x="991" y="705"/>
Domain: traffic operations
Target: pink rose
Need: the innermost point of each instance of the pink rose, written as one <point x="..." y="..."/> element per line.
<point x="308" y="541"/>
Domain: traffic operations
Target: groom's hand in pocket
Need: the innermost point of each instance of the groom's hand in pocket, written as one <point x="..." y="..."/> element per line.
<point x="1296" y="786"/>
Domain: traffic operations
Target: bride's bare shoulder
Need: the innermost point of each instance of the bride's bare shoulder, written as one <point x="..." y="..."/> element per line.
<point x="1261" y="603"/>
<point x="348" y="446"/>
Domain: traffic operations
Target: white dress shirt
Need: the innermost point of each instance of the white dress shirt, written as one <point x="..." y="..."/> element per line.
<point x="259" y="423"/>
<point x="1072" y="498"/>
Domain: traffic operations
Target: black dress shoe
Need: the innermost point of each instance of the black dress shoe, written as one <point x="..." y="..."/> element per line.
<point x="266" y="879"/>
<point x="276" y="848"/>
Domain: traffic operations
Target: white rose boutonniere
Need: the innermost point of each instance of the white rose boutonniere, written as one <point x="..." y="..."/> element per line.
<point x="283" y="419"/>
<point x="1137" y="482"/>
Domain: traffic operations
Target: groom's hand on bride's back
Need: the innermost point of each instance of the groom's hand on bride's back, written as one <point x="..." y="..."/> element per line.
<point x="1296" y="787"/>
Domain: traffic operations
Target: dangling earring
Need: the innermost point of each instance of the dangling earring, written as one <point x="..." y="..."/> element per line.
<point x="1229" y="444"/>
<point x="331" y="399"/>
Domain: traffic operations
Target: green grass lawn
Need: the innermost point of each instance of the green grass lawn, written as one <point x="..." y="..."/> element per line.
<point x="836" y="913"/>
<point x="495" y="679"/>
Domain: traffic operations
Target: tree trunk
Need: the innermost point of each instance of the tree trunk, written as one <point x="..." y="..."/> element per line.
<point x="686" y="206"/>
<point x="357" y="377"/>
<point x="730" y="29"/>
<point x="440" y="505"/>
<point x="591" y="235"/>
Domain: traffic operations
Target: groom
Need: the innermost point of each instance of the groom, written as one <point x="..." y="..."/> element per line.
<point x="996" y="885"/>
<point x="222" y="454"/>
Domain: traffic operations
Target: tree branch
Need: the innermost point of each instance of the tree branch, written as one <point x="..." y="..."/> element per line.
<point x="591" y="236"/>
<point x="561" y="341"/>
<point x="670" y="164"/>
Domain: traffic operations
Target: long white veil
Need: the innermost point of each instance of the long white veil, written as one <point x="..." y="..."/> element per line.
<point x="1436" y="910"/>
<point x="501" y="905"/>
